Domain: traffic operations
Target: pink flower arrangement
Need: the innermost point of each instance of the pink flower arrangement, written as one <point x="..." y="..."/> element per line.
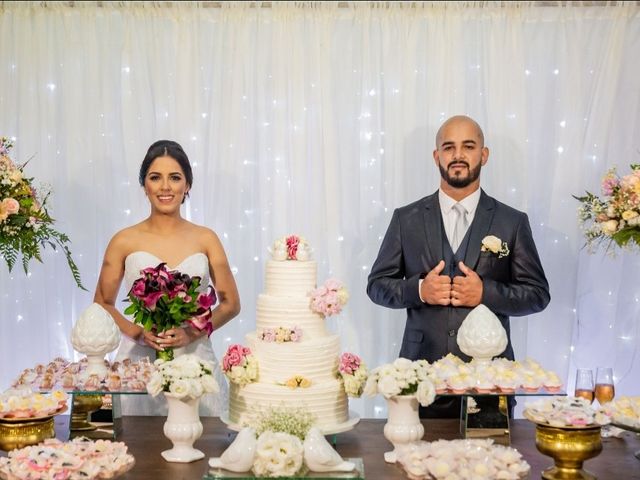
<point x="330" y="298"/>
<point x="26" y="227"/>
<point x="163" y="299"/>
<point x="616" y="216"/>
<point x="281" y="334"/>
<point x="292" y="247"/>
<point x="239" y="365"/>
<point x="354" y="374"/>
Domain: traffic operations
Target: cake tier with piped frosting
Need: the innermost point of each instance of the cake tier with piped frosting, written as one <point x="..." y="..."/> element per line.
<point x="290" y="278"/>
<point x="315" y="359"/>
<point x="278" y="311"/>
<point x="326" y="401"/>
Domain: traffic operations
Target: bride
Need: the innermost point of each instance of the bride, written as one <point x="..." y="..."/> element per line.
<point x="166" y="176"/>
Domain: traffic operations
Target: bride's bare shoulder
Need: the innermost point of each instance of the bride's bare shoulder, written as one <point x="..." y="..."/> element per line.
<point x="126" y="238"/>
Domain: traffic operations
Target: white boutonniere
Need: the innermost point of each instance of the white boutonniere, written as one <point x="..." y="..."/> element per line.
<point x="493" y="244"/>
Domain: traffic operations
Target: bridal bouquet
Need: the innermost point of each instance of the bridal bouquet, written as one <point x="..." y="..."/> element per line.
<point x="616" y="216"/>
<point x="186" y="377"/>
<point x="239" y="365"/>
<point x="329" y="298"/>
<point x="25" y="223"/>
<point x="402" y="377"/>
<point x="162" y="299"/>
<point x="354" y="374"/>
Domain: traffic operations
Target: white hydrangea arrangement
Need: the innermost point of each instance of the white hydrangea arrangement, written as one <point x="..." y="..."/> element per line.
<point x="280" y="431"/>
<point x="402" y="377"/>
<point x="186" y="377"/>
<point x="278" y="454"/>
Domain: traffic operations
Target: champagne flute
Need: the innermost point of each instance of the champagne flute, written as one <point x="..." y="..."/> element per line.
<point x="605" y="390"/>
<point x="584" y="384"/>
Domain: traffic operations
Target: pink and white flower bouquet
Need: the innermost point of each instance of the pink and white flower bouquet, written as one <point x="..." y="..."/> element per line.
<point x="186" y="377"/>
<point x="616" y="216"/>
<point x="329" y="298"/>
<point x="163" y="299"/>
<point x="281" y="334"/>
<point x="291" y="247"/>
<point x="402" y="377"/>
<point x="25" y="223"/>
<point x="239" y="365"/>
<point x="354" y="374"/>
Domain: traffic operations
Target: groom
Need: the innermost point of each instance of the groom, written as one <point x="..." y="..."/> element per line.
<point x="437" y="262"/>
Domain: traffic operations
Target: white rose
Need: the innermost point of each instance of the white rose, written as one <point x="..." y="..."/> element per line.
<point x="402" y="363"/>
<point x="180" y="388"/>
<point x="426" y="393"/>
<point x="388" y="386"/>
<point x="302" y="254"/>
<point x="351" y="386"/>
<point x="154" y="386"/>
<point x="195" y="388"/>
<point x="492" y="243"/>
<point x="209" y="384"/>
<point x="609" y="227"/>
<point x="279" y="254"/>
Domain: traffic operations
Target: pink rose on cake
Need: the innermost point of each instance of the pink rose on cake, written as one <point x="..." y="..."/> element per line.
<point x="239" y="365"/>
<point x="329" y="298"/>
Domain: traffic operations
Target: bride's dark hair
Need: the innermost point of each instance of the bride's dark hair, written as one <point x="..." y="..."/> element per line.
<point x="166" y="148"/>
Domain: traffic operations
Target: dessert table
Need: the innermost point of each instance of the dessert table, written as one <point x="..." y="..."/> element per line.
<point x="144" y="437"/>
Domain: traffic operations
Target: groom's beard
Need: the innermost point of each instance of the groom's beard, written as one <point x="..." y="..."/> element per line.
<point x="459" y="181"/>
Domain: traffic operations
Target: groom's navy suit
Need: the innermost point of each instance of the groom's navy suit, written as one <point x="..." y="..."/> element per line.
<point x="415" y="243"/>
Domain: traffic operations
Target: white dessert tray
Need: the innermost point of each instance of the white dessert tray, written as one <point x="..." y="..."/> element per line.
<point x="354" y="418"/>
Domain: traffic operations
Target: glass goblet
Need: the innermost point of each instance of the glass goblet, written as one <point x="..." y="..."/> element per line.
<point x="605" y="390"/>
<point x="584" y="384"/>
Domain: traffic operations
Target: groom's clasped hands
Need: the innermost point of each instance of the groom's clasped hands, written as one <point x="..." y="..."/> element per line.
<point x="461" y="291"/>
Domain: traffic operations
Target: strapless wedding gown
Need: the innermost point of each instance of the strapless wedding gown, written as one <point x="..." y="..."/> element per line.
<point x="211" y="404"/>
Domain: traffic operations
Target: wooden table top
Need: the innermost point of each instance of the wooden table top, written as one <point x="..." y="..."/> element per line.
<point x="145" y="439"/>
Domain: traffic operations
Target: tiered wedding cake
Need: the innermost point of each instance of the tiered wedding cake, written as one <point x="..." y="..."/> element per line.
<point x="297" y="358"/>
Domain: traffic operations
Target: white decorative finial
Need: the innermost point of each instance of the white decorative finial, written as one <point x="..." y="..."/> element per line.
<point x="481" y="335"/>
<point x="95" y="334"/>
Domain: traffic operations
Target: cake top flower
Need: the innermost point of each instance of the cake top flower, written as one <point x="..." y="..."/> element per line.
<point x="291" y="247"/>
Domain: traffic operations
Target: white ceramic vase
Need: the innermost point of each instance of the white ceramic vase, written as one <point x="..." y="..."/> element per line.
<point x="183" y="427"/>
<point x="403" y="424"/>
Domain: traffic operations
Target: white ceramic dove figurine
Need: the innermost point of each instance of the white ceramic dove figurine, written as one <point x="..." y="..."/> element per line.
<point x="320" y="456"/>
<point x="238" y="457"/>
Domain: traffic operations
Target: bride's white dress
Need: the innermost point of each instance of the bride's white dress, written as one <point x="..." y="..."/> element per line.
<point x="210" y="404"/>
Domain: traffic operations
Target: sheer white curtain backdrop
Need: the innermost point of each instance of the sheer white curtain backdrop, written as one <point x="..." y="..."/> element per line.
<point x="320" y="120"/>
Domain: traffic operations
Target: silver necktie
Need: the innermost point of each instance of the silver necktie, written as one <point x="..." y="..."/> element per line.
<point x="460" y="226"/>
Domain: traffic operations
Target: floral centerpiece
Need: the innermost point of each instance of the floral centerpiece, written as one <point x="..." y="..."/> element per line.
<point x="25" y="223"/>
<point x="186" y="376"/>
<point x="162" y="299"/>
<point x="291" y="247"/>
<point x="240" y="365"/>
<point x="616" y="216"/>
<point x="329" y="298"/>
<point x="354" y="374"/>
<point x="402" y="377"/>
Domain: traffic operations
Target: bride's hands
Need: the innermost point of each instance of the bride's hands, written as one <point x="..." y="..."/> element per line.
<point x="177" y="337"/>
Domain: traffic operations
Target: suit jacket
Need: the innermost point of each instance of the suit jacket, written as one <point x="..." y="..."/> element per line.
<point x="413" y="245"/>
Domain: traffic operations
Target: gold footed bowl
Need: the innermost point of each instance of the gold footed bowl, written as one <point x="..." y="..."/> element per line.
<point x="83" y="405"/>
<point x="569" y="447"/>
<point x="18" y="433"/>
